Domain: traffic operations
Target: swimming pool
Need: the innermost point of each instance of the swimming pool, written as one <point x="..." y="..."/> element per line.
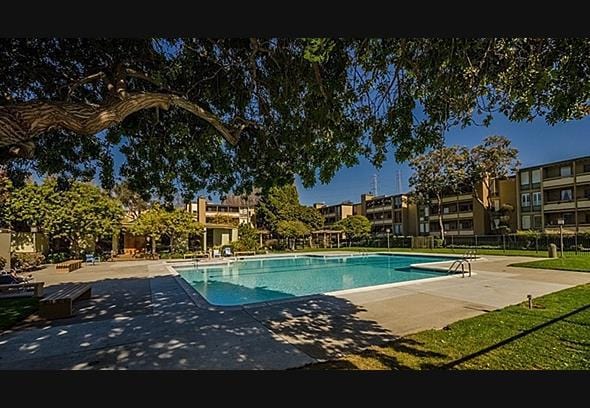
<point x="261" y="280"/>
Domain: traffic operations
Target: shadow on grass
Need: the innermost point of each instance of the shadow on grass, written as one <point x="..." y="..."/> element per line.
<point x="382" y="360"/>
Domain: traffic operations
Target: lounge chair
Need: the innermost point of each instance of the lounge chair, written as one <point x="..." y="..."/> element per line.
<point x="90" y="259"/>
<point x="227" y="251"/>
<point x="216" y="253"/>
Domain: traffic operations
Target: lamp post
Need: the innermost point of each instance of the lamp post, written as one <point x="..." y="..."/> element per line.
<point x="388" y="231"/>
<point x="560" y="222"/>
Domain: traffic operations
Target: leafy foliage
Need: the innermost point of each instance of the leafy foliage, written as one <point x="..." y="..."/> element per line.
<point x="248" y="239"/>
<point x="79" y="213"/>
<point x="439" y="172"/>
<point x="176" y="224"/>
<point x="355" y="227"/>
<point x="311" y="105"/>
<point x="282" y="204"/>
<point x="493" y="159"/>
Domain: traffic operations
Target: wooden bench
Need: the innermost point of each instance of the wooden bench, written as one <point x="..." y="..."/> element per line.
<point x="71" y="265"/>
<point x="16" y="290"/>
<point x="59" y="303"/>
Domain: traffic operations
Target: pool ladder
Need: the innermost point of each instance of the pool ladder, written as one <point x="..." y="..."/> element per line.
<point x="460" y="263"/>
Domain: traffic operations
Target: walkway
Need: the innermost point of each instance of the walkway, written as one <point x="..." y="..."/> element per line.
<point x="140" y="317"/>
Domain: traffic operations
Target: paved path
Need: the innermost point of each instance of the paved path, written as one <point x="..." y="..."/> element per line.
<point x="140" y="317"/>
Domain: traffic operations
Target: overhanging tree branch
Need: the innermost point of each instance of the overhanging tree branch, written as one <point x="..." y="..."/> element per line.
<point x="23" y="122"/>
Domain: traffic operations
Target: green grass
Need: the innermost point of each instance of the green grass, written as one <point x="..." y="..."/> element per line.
<point x="15" y="310"/>
<point x="458" y="251"/>
<point x="567" y="263"/>
<point x="563" y="344"/>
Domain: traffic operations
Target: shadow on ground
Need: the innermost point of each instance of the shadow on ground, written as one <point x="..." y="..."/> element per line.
<point x="150" y="323"/>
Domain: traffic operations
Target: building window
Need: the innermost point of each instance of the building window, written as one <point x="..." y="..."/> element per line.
<point x="537" y="221"/>
<point x="525" y="199"/>
<point x="524" y="178"/>
<point x="466" y="224"/>
<point x="586" y="168"/>
<point x="536" y="178"/>
<point x="537" y="199"/>
<point x="426" y="211"/>
<point x="466" y="207"/>
<point x="526" y="222"/>
<point x="566" y="195"/>
<point x="565" y="171"/>
<point x="397" y="229"/>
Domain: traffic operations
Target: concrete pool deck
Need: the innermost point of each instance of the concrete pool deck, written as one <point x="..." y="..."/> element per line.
<point x="141" y="317"/>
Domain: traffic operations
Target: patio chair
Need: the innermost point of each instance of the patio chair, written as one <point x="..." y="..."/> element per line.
<point x="216" y="253"/>
<point x="227" y="251"/>
<point x="90" y="259"/>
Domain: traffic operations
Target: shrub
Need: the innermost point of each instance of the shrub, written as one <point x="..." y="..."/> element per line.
<point x="2" y="262"/>
<point x="57" y="257"/>
<point x="26" y="261"/>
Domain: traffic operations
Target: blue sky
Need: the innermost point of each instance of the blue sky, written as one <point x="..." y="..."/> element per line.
<point x="536" y="141"/>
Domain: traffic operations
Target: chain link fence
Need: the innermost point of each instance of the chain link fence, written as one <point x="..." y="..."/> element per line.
<point x="578" y="244"/>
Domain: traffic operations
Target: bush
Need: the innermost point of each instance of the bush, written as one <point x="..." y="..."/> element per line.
<point x="2" y="263"/>
<point x="438" y="242"/>
<point x="26" y="261"/>
<point x="57" y="257"/>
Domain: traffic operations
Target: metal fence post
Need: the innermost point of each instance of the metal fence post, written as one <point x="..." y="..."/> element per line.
<point x="475" y="241"/>
<point x="504" y="242"/>
<point x="536" y="245"/>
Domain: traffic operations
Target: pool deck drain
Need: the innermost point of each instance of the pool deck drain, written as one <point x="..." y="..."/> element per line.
<point x="140" y="317"/>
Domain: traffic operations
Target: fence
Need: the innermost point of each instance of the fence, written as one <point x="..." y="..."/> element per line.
<point x="579" y="244"/>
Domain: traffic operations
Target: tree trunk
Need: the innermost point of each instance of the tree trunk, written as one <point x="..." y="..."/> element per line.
<point x="440" y="219"/>
<point x="22" y="122"/>
<point x="153" y="246"/>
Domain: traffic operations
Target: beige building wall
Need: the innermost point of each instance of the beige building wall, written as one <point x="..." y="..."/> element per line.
<point x="5" y="247"/>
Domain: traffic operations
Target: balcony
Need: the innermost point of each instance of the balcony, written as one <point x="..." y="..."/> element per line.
<point x="466" y="214"/>
<point x="583" y="178"/>
<point x="560" y="205"/>
<point x="583" y="202"/>
<point x="558" y="181"/>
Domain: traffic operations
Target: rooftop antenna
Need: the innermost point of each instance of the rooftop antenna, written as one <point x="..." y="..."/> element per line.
<point x="375" y="193"/>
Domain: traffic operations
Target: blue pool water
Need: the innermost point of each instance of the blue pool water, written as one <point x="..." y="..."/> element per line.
<point x="260" y="280"/>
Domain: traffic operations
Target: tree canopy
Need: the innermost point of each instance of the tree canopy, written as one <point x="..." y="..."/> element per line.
<point x="282" y="204"/>
<point x="437" y="173"/>
<point x="158" y="221"/>
<point x="230" y="114"/>
<point x="81" y="213"/>
<point x="355" y="227"/>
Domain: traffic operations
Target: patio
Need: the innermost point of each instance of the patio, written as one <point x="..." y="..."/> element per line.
<point x="141" y="317"/>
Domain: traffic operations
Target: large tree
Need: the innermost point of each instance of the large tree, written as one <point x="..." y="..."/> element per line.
<point x="355" y="227"/>
<point x="494" y="159"/>
<point x="291" y="230"/>
<point x="437" y="173"/>
<point x="282" y="204"/>
<point x="158" y="221"/>
<point x="223" y="114"/>
<point x="79" y="214"/>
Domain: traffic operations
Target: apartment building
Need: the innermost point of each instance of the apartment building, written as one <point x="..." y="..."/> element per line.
<point x="552" y="192"/>
<point x="393" y="212"/>
<point x="334" y="213"/>
<point x="463" y="214"/>
<point x="221" y="220"/>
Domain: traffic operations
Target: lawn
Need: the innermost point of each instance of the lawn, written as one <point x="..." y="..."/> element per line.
<point x="15" y="310"/>
<point x="567" y="263"/>
<point x="554" y="334"/>
<point x="457" y="251"/>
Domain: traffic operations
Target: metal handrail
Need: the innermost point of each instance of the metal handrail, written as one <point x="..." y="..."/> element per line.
<point x="460" y="263"/>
